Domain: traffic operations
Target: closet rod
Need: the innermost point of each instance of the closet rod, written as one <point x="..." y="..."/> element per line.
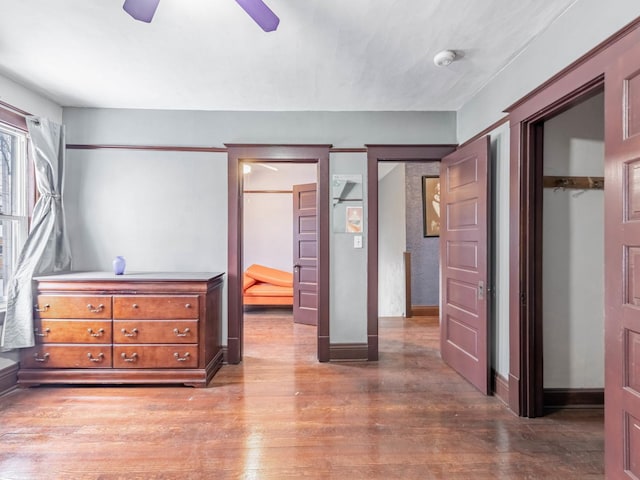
<point x="581" y="183"/>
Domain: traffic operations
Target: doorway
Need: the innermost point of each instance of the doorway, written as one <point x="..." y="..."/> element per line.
<point x="238" y="155"/>
<point x="571" y="276"/>
<point x="376" y="154"/>
<point x="280" y="242"/>
<point x="408" y="253"/>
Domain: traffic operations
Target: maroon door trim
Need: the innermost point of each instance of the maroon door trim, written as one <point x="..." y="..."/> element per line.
<point x="238" y="153"/>
<point x="390" y="153"/>
<point x="583" y="78"/>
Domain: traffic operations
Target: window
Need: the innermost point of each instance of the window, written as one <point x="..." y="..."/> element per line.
<point x="13" y="201"/>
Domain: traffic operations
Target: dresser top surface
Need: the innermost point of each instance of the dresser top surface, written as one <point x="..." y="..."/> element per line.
<point x="133" y="276"/>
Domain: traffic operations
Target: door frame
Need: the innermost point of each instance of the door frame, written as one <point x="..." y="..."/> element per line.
<point x="574" y="84"/>
<point x="375" y="154"/>
<point x="252" y="153"/>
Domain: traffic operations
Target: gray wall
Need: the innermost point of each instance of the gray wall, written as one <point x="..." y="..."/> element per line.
<point x="573" y="251"/>
<point x="425" y="251"/>
<point x="500" y="249"/>
<point x="171" y="208"/>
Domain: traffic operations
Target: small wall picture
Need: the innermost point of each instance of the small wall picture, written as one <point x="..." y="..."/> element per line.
<point x="431" y="206"/>
<point x="354" y="220"/>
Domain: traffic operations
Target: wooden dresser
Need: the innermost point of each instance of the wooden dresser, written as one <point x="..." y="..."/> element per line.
<point x="101" y="328"/>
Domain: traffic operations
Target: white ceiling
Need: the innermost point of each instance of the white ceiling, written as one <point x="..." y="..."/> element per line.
<point x="334" y="55"/>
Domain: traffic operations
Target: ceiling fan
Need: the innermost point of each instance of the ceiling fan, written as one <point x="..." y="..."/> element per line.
<point x="144" y="10"/>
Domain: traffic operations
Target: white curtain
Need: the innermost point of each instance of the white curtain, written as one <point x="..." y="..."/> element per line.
<point x="46" y="249"/>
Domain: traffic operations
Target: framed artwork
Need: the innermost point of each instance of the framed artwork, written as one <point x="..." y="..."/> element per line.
<point x="354" y="220"/>
<point x="431" y="206"/>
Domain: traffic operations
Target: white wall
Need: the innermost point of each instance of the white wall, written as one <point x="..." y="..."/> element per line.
<point x="135" y="181"/>
<point x="582" y="27"/>
<point x="573" y="251"/>
<point x="29" y="101"/>
<point x="268" y="217"/>
<point x="392" y="241"/>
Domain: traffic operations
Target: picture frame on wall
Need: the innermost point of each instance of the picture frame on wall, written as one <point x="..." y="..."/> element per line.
<point x="431" y="206"/>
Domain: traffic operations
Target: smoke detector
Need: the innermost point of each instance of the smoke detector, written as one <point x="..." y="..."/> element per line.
<point x="444" y="58"/>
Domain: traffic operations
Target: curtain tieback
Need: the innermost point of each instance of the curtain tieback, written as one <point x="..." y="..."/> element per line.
<point x="55" y="196"/>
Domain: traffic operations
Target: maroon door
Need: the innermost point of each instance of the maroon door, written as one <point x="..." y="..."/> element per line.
<point x="305" y="254"/>
<point x="622" y="266"/>
<point x="464" y="309"/>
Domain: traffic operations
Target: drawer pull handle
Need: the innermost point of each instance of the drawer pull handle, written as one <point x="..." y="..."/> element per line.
<point x="184" y="358"/>
<point x="45" y="332"/>
<point x="131" y="359"/>
<point x="99" y="333"/>
<point x="43" y="358"/>
<point x="97" y="359"/>
<point x="187" y="305"/>
<point x="43" y="309"/>
<point x="97" y="309"/>
<point x="133" y="333"/>
<point x="183" y="334"/>
<point x="135" y="305"/>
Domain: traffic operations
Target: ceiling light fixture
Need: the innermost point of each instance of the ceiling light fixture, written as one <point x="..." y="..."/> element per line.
<point x="444" y="58"/>
<point x="142" y="10"/>
<point x="246" y="168"/>
<point x="260" y="13"/>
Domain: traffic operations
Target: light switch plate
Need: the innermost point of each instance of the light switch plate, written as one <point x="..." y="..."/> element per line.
<point x="357" y="241"/>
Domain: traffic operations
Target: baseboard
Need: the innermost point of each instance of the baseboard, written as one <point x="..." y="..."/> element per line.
<point x="425" y="310"/>
<point x="574" y="397"/>
<point x="8" y="378"/>
<point x="500" y="387"/>
<point x="349" y="352"/>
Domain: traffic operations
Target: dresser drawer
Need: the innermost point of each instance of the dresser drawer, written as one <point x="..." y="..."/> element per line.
<point x="155" y="331"/>
<point x="155" y="307"/>
<point x="67" y="356"/>
<point x="72" y="331"/>
<point x="73" y="306"/>
<point x="155" y="356"/>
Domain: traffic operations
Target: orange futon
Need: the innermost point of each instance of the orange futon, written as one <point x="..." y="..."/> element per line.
<point x="267" y="286"/>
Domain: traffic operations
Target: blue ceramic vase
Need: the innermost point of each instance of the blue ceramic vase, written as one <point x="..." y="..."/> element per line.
<point x="119" y="263"/>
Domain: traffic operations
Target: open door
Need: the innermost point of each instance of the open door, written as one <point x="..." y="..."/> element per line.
<point x="305" y="254"/>
<point x="464" y="282"/>
<point x="622" y="266"/>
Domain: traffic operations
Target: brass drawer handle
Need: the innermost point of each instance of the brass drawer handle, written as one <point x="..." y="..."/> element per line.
<point x="184" y="358"/>
<point x="43" y="358"/>
<point x="183" y="334"/>
<point x="187" y="305"/>
<point x="97" y="359"/>
<point x="45" y="332"/>
<point x="131" y="359"/>
<point x="99" y="333"/>
<point x="43" y="309"/>
<point x="97" y="309"/>
<point x="135" y="305"/>
<point x="133" y="333"/>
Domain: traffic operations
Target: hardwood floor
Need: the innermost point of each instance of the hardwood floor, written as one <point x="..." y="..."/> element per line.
<point x="282" y="415"/>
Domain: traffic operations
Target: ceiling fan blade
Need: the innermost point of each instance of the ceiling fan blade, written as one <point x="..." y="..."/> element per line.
<point x="260" y="13"/>
<point x="142" y="10"/>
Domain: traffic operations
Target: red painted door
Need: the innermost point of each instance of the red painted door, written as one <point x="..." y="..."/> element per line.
<point x="622" y="266"/>
<point x="464" y="325"/>
<point x="305" y="254"/>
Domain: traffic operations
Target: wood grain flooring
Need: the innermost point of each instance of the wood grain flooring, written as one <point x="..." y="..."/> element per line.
<point x="282" y="415"/>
